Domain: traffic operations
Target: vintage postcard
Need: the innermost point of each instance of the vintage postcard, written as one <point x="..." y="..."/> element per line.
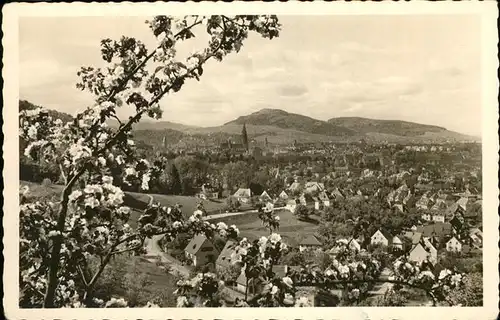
<point x="293" y="160"/>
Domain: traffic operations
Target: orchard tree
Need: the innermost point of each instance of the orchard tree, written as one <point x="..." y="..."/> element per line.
<point x="269" y="219"/>
<point x="58" y="239"/>
<point x="301" y="212"/>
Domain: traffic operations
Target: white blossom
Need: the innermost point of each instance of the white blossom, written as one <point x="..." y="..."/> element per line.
<point x="198" y="213"/>
<point x="344" y="270"/>
<point x="274" y="290"/>
<point x="53" y="233"/>
<point x="161" y="36"/>
<point x="120" y="303"/>
<point x="75" y="195"/>
<point x="32" y="132"/>
<point x="456" y="279"/>
<point x="288" y="281"/>
<point x="120" y="160"/>
<point x="107" y="180"/>
<point x="302" y="302"/>
<point x="444" y="273"/>
<point x="130" y="172"/>
<point x="119" y="72"/>
<point x="262" y="241"/>
<point x="124" y="210"/>
<point x="101" y="161"/>
<point x="426" y="274"/>
<point x="176" y="224"/>
<point x="145" y="181"/>
<point x="91" y="202"/>
<point x="221" y="226"/>
<point x="274" y="238"/>
<point x="223" y="233"/>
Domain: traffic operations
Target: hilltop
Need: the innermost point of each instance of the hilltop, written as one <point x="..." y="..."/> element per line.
<point x="281" y="127"/>
<point x="395" y="127"/>
<point x="285" y="120"/>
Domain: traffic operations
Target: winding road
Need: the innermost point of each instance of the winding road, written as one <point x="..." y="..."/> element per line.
<point x="154" y="251"/>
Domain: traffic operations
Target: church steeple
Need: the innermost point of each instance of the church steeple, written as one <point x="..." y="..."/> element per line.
<point x="244" y="136"/>
<point x="164" y="142"/>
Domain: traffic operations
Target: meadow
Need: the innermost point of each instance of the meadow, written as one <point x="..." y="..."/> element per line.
<point x="291" y="229"/>
<point x="136" y="201"/>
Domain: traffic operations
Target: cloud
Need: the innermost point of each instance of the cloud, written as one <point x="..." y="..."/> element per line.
<point x="292" y="90"/>
<point x="322" y="66"/>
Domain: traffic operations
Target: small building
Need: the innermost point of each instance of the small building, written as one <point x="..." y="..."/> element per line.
<point x="224" y="260"/>
<point x="269" y="206"/>
<point x="291" y="205"/>
<point x="453" y="245"/>
<point x="337" y="195"/>
<point x="306" y="199"/>
<point x="317" y="203"/>
<point x="423" y="251"/>
<point x="397" y="243"/>
<point x="243" y="195"/>
<point x="438" y="230"/>
<point x="283" y="195"/>
<point x="323" y="196"/>
<point x="209" y="192"/>
<point x="201" y="251"/>
<point x="295" y="187"/>
<point x="310" y="242"/>
<point x="381" y="238"/>
<point x="264" y="197"/>
<point x="426" y="216"/>
<point x="354" y="244"/>
<point x="438" y="217"/>
<point x="314" y="187"/>
<point x="254" y="285"/>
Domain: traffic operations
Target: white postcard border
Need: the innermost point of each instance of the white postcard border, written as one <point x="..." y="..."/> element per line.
<point x="487" y="10"/>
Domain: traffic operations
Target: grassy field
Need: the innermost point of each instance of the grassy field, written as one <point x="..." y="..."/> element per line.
<point x="291" y="229"/>
<point x="136" y="201"/>
<point x="40" y="191"/>
<point x="188" y="203"/>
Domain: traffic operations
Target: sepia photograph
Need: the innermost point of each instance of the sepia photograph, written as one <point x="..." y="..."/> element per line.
<point x="251" y="159"/>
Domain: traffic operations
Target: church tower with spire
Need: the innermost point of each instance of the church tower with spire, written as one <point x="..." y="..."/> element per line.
<point x="164" y="142"/>
<point x="244" y="137"/>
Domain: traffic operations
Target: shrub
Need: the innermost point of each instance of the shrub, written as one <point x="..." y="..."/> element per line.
<point x="46" y="182"/>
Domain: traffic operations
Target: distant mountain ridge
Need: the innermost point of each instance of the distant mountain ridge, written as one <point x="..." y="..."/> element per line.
<point x="286" y="120"/>
<point x="283" y="128"/>
<point x="396" y="127"/>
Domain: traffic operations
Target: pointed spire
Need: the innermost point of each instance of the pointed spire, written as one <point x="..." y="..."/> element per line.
<point x="164" y="142"/>
<point x="244" y="136"/>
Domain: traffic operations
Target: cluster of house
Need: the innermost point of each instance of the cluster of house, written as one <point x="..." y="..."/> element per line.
<point x="422" y="244"/>
<point x="439" y="206"/>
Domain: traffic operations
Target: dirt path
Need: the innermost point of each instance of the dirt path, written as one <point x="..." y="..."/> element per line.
<point x="155" y="252"/>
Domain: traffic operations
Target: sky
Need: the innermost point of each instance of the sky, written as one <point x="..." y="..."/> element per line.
<point x="425" y="69"/>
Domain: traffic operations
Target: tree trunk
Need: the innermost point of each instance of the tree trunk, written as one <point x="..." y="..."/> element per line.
<point x="246" y="290"/>
<point x="52" y="279"/>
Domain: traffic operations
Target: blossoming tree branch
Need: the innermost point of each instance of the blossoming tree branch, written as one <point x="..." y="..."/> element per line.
<point x="90" y="221"/>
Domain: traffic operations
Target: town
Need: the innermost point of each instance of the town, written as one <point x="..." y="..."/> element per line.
<point x="249" y="161"/>
<point x="418" y="201"/>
